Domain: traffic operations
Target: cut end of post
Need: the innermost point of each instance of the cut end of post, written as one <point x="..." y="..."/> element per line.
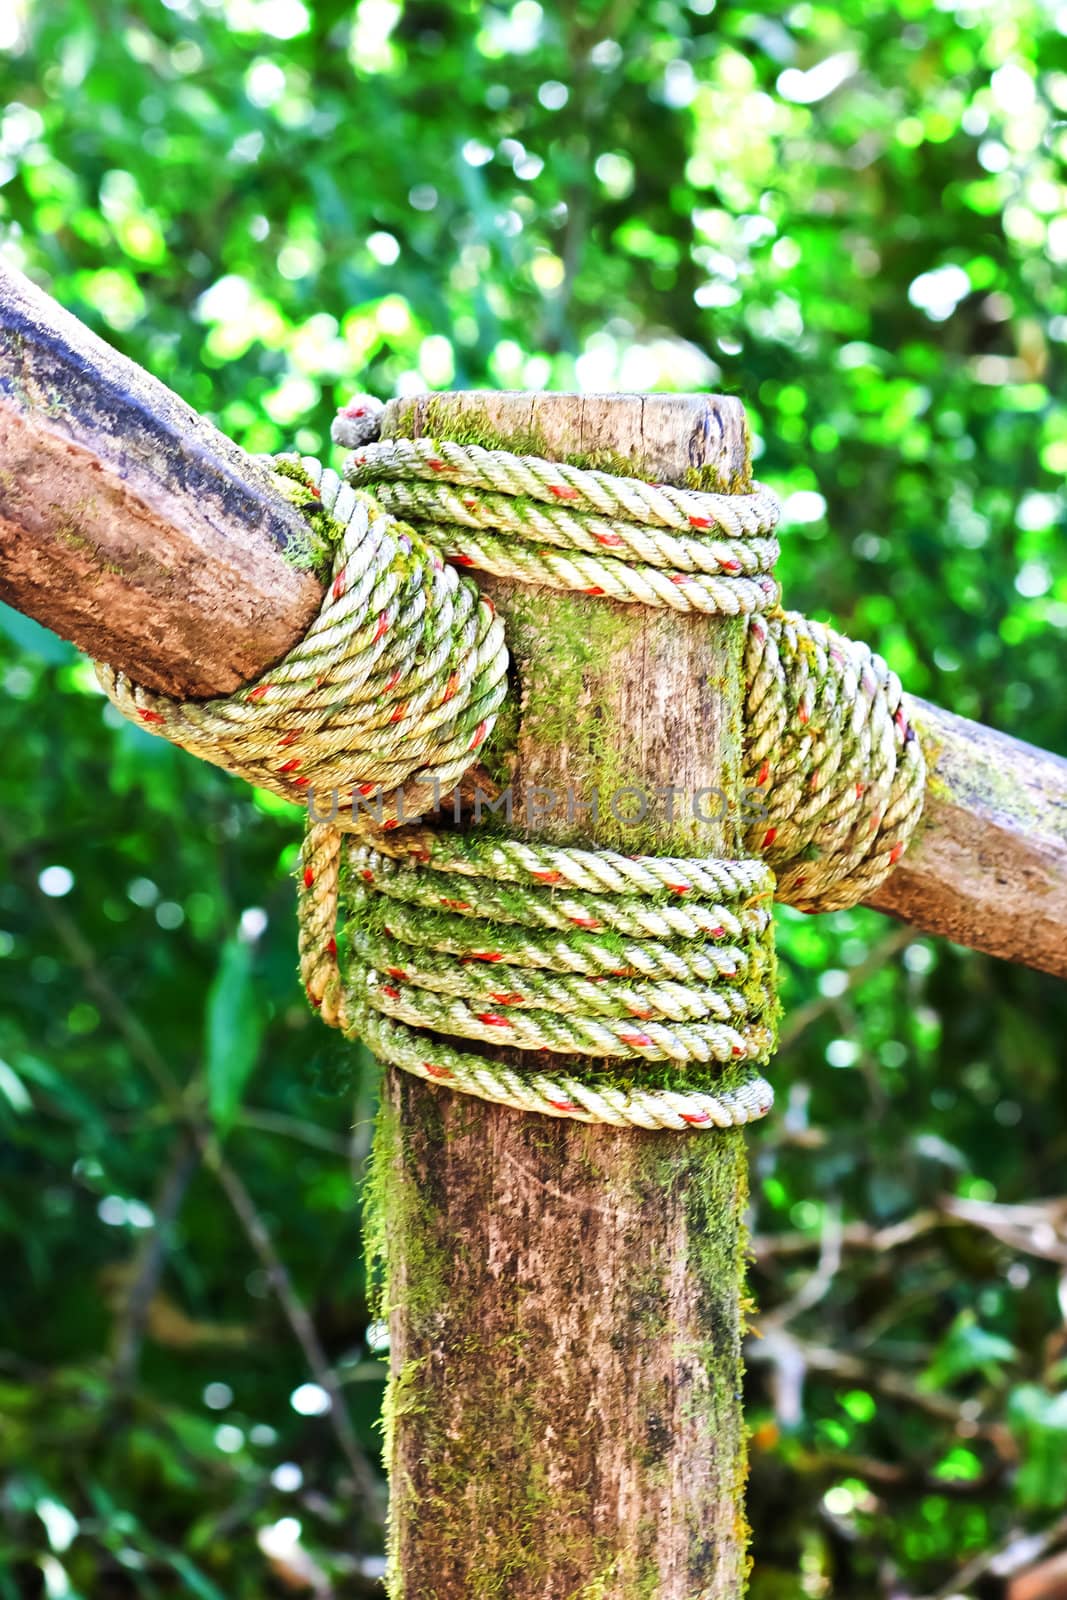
<point x="659" y="437"/>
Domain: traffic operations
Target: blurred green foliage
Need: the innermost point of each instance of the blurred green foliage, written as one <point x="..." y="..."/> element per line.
<point x="852" y="216"/>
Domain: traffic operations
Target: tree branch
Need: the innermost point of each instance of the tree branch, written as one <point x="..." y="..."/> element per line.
<point x="151" y="1258"/>
<point x="1017" y="1552"/>
<point x="127" y="522"/>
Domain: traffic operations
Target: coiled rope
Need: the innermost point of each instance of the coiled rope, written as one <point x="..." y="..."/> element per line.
<point x="828" y="746"/>
<point x="659" y="972"/>
<point x="545" y="522"/>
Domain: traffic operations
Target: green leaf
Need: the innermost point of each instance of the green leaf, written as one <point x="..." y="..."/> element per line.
<point x="234" y="1030"/>
<point x="1039" y="1421"/>
<point x="967" y="1348"/>
<point x="13" y="1090"/>
<point x="194" y="1580"/>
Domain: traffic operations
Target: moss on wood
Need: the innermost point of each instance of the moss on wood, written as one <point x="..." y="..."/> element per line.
<point x="496" y="1463"/>
<point x="312" y="549"/>
<point x="565" y="1301"/>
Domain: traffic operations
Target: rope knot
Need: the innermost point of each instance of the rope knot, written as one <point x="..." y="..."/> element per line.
<point x="381" y="708"/>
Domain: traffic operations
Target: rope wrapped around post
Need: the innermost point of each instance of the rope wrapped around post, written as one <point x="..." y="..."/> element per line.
<point x="658" y="972"/>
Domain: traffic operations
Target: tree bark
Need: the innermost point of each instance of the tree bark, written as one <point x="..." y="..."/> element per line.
<point x="566" y="1300"/>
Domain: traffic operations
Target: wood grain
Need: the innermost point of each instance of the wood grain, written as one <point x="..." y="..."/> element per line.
<point x="572" y="1388"/>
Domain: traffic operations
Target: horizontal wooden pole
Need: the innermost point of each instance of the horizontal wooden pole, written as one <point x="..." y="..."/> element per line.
<point x="131" y="526"/>
<point x="127" y="522"/>
<point x="988" y="868"/>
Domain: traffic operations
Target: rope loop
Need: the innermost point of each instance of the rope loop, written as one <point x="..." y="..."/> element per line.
<point x="674" y="1008"/>
<point x="829" y="748"/>
<point x="545" y="522"/>
<point x="391" y="691"/>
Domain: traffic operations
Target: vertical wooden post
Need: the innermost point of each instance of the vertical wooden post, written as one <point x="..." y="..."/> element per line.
<point x="566" y="1300"/>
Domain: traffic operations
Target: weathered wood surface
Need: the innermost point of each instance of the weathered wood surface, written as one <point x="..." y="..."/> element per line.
<point x="989" y="866"/>
<point x="132" y="527"/>
<point x="567" y="1413"/>
<point x="127" y="522"/>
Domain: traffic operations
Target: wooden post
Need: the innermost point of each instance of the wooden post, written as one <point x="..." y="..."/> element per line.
<point x="566" y="1300"/>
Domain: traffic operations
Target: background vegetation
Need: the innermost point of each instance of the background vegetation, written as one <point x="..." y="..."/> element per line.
<point x="854" y="217"/>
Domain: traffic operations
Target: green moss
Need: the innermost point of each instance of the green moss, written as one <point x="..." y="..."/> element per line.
<point x="403" y="1398"/>
<point x="637" y="1580"/>
<point x="392" y="1218"/>
<point x="391" y="1205"/>
<point x="711" y="480"/>
<point x="313" y="549"/>
<point x="580" y="636"/>
<point x="560" y="649"/>
<point x="69" y="530"/>
<point x="439" y="418"/>
<point x="498" y="753"/>
<point x="597" y="1587"/>
<point x="716" y="1195"/>
<point x="69" y="535"/>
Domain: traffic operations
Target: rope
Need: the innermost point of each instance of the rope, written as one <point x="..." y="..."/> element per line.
<point x="393" y="687"/>
<point x="658" y="971"/>
<point x="545" y="522"/>
<point x="542" y="970"/>
<point x="829" y="749"/>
